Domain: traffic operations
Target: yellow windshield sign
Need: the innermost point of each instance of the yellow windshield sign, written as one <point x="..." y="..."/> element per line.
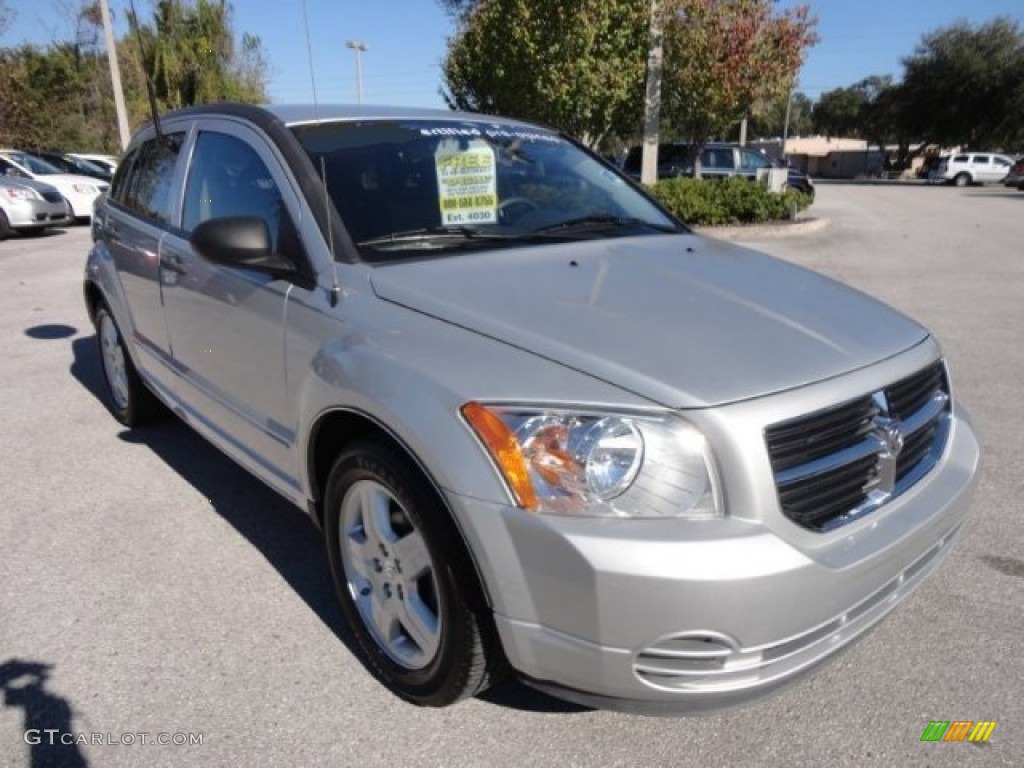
<point x="467" y="183"/>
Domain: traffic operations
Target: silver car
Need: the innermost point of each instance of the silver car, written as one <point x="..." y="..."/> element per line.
<point x="29" y="206"/>
<point x="546" y="429"/>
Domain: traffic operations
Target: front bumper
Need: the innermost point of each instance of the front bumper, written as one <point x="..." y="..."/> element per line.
<point x="34" y="214"/>
<point x="666" y="616"/>
<point x="81" y="203"/>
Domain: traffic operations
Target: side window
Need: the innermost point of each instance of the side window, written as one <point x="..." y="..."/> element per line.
<point x="8" y="169"/>
<point x="982" y="159"/>
<point x="1002" y="162"/>
<point x="753" y="160"/>
<point x="149" y="189"/>
<point x="960" y="159"/>
<point x="228" y="178"/>
<point x="119" y="185"/>
<point x="718" y="157"/>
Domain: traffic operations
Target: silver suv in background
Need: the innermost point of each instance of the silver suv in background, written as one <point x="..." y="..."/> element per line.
<point x="969" y="168"/>
<point x="546" y="429"/>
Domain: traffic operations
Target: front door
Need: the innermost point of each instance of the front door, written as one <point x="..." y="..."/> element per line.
<point x="227" y="324"/>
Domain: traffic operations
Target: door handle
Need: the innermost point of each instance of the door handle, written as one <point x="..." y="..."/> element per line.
<point x="173" y="264"/>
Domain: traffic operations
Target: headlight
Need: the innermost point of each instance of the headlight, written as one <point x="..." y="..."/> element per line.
<point x="84" y="189"/>
<point x="19" y="193"/>
<point x="594" y="464"/>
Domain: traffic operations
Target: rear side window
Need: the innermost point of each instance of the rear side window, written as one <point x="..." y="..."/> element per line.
<point x="148" y="188"/>
<point x="119" y="185"/>
<point x="1002" y="161"/>
<point x="718" y="157"/>
<point x="982" y="159"/>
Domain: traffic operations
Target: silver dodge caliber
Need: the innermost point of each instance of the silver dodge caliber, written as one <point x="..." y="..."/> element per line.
<point x="546" y="429"/>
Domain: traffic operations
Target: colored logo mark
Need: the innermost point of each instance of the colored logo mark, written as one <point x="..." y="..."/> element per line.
<point x="958" y="730"/>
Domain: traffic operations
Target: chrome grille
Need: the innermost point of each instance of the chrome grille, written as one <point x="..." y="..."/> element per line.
<point x="836" y="465"/>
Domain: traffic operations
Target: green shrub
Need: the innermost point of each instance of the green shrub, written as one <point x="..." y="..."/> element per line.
<point x="729" y="201"/>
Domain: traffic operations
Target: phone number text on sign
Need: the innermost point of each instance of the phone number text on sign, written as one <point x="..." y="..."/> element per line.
<point x="467" y="185"/>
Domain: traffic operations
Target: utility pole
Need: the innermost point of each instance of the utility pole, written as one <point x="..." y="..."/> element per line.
<point x="652" y="98"/>
<point x="115" y="77"/>
<point x="785" y="124"/>
<point x="360" y="48"/>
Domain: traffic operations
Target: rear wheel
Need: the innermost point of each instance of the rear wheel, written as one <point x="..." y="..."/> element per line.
<point x="404" y="580"/>
<point x="5" y="226"/>
<point x="128" y="399"/>
<point x="962" y="179"/>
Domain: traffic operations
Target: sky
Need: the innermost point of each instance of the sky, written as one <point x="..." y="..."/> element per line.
<point x="406" y="41"/>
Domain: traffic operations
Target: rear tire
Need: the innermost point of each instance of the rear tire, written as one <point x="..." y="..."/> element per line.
<point x="127" y="398"/>
<point x="5" y="226"/>
<point x="404" y="580"/>
<point x="962" y="179"/>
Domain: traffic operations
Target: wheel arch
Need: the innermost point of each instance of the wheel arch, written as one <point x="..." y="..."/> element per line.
<point x="337" y="428"/>
<point x="93" y="298"/>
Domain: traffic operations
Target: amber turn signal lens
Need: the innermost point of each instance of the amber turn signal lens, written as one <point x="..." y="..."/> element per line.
<point x="504" y="449"/>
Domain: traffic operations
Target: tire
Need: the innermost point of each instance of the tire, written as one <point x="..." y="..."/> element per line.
<point x="422" y="626"/>
<point x="962" y="180"/>
<point x="5" y="226"/>
<point x="127" y="398"/>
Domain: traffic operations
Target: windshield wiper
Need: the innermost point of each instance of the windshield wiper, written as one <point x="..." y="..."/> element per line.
<point x="602" y="219"/>
<point x="432" y="233"/>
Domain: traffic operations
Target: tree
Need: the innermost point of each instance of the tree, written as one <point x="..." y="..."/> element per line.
<point x="767" y="117"/>
<point x="6" y="17"/>
<point x="964" y="85"/>
<point x="59" y="96"/>
<point x="577" y="65"/>
<point x="838" y="112"/>
<point x="190" y="56"/>
<point x="721" y="56"/>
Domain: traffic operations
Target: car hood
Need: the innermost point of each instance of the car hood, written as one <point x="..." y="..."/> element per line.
<point x="18" y="182"/>
<point x="63" y="181"/>
<point x="682" y="320"/>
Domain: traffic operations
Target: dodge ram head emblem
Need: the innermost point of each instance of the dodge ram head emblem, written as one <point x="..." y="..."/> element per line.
<point x="890" y="432"/>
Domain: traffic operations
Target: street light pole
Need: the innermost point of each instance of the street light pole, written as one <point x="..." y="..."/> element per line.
<point x="359" y="47"/>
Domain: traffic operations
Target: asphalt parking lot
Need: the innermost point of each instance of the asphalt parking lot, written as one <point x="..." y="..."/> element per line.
<point x="151" y="586"/>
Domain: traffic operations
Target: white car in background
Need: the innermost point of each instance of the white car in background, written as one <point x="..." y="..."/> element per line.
<point x="107" y="162"/>
<point x="79" y="191"/>
<point x="30" y="207"/>
<point x="969" y="168"/>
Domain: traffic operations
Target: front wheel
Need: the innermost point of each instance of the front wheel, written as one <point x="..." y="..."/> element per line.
<point x="404" y="580"/>
<point x="962" y="179"/>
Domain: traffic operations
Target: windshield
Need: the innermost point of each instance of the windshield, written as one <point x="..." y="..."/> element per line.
<point x="432" y="185"/>
<point x="34" y="164"/>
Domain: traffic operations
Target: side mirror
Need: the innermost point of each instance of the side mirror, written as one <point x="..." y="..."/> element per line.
<point x="238" y="241"/>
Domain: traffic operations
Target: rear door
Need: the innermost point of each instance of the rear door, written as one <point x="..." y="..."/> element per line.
<point x="136" y="218"/>
<point x="718" y="162"/>
<point x="981" y="167"/>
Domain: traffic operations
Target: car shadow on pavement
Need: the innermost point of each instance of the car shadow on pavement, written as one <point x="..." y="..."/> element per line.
<point x="289" y="541"/>
<point x="48" y="716"/>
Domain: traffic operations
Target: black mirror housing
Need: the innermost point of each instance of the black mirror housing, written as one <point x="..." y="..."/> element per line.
<point x="237" y="241"/>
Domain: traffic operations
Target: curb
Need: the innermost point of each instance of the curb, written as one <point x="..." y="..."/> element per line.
<point x="764" y="231"/>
